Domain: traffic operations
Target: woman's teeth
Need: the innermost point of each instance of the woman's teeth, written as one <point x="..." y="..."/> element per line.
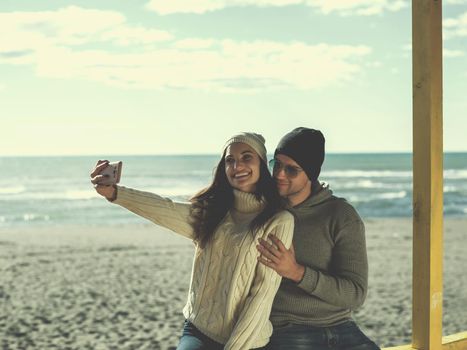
<point x="240" y="175"/>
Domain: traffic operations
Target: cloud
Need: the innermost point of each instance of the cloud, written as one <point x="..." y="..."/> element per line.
<point x="358" y="7"/>
<point x="447" y="53"/>
<point x="164" y="7"/>
<point x="374" y="64"/>
<point x="194" y="44"/>
<point x="455" y="27"/>
<point x="72" y="43"/>
<point x="126" y="36"/>
<point x="453" y="53"/>
<point x="228" y="66"/>
<point x="71" y="26"/>
<point x="342" y="7"/>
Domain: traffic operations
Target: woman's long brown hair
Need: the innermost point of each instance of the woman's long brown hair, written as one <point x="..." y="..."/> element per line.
<point x="210" y="205"/>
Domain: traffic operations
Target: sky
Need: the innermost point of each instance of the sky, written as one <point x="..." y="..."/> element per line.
<point x="180" y="77"/>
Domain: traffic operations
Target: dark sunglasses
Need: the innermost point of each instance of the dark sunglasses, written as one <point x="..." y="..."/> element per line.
<point x="289" y="170"/>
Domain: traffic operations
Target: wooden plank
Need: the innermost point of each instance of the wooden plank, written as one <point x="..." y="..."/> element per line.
<point x="456" y="341"/>
<point x="401" y="347"/>
<point x="427" y="174"/>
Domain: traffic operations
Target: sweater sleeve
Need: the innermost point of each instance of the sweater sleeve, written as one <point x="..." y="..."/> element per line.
<point x="257" y="308"/>
<point x="162" y="211"/>
<point x="345" y="284"/>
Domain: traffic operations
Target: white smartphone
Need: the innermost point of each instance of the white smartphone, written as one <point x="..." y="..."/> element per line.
<point x="114" y="172"/>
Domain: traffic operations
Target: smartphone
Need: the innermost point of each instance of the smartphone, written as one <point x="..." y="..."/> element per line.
<point x="114" y="171"/>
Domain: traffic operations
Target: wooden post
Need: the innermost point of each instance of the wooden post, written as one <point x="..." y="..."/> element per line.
<point x="427" y="174"/>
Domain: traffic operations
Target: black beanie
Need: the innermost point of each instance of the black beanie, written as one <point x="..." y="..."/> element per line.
<point x="306" y="147"/>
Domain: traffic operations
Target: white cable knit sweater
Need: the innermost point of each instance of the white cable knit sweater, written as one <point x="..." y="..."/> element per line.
<point x="230" y="294"/>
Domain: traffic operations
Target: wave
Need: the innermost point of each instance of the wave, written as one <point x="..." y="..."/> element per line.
<point x="451" y="174"/>
<point x="455" y="174"/>
<point x="12" y="190"/>
<point x="392" y="195"/>
<point x="28" y="217"/>
<point x="455" y="189"/>
<point x="82" y="194"/>
<point x="35" y="217"/>
<point x="368" y="184"/>
<point x="379" y="196"/>
<point x="66" y="195"/>
<point x="179" y="192"/>
<point x="363" y="173"/>
<point x="359" y="184"/>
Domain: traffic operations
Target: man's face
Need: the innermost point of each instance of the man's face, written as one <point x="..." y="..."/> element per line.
<point x="295" y="187"/>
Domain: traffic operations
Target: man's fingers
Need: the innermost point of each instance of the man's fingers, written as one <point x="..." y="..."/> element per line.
<point x="267" y="254"/>
<point x="101" y="165"/>
<point x="266" y="262"/>
<point x="277" y="242"/>
<point x="270" y="247"/>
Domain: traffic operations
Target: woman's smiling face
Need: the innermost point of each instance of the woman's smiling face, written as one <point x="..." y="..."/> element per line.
<point x="242" y="167"/>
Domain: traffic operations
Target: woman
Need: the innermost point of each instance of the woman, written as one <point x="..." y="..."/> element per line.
<point x="231" y="294"/>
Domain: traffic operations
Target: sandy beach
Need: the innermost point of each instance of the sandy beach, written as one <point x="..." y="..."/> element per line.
<point x="125" y="287"/>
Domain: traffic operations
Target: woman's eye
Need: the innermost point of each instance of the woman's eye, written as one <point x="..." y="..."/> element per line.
<point x="229" y="160"/>
<point x="247" y="157"/>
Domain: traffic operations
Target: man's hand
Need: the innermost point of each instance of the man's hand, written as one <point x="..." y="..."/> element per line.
<point x="279" y="258"/>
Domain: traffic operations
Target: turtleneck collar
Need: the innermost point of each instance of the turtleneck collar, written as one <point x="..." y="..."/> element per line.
<point x="245" y="202"/>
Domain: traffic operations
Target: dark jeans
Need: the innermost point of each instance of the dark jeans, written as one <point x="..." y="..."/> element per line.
<point x="345" y="336"/>
<point x="193" y="339"/>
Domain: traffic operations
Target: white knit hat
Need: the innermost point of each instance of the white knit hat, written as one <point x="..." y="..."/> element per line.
<point x="255" y="141"/>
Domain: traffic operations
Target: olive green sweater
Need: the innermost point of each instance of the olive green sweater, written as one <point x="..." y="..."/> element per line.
<point x="329" y="240"/>
<point x="231" y="294"/>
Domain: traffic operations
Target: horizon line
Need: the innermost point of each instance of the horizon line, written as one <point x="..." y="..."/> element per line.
<point x="193" y="154"/>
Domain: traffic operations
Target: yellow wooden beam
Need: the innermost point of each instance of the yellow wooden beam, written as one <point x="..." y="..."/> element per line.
<point x="402" y="347"/>
<point x="427" y="174"/>
<point x="451" y="342"/>
<point x="455" y="341"/>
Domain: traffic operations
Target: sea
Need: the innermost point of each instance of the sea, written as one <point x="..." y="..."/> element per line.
<point x="56" y="191"/>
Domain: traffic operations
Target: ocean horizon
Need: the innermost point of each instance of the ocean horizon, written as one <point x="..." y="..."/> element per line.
<point x="56" y="190"/>
<point x="198" y="154"/>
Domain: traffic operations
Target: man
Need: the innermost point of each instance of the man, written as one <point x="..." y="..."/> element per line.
<point x="325" y="271"/>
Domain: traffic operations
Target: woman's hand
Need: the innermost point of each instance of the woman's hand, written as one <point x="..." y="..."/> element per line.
<point x="106" y="191"/>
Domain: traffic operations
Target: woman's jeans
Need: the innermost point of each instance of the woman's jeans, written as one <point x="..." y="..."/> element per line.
<point x="193" y="339"/>
<point x="345" y="336"/>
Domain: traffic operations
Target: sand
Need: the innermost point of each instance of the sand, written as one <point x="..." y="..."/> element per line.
<point x="125" y="287"/>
